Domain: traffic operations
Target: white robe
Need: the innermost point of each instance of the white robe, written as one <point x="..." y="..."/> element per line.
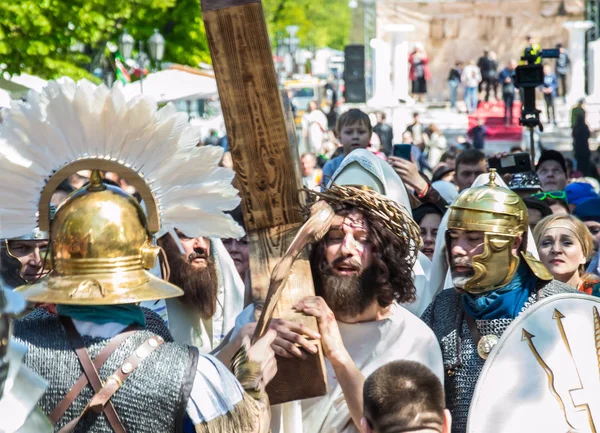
<point x="185" y="323"/>
<point x="402" y="336"/>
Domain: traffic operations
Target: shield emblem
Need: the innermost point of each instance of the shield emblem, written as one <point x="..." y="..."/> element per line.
<point x="544" y="373"/>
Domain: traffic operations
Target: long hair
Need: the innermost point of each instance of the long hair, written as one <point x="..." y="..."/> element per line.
<point x="389" y="273"/>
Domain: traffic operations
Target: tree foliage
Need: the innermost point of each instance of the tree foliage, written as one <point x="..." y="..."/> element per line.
<point x="50" y="38"/>
<point x="322" y="23"/>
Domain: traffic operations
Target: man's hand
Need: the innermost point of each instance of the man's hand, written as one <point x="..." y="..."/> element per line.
<point x="409" y="173"/>
<point x="262" y="354"/>
<point x="331" y="339"/>
<point x="291" y="337"/>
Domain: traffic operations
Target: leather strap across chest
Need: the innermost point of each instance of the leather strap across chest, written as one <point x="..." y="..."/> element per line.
<point x="100" y="402"/>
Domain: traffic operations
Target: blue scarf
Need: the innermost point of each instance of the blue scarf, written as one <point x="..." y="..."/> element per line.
<point x="126" y="314"/>
<point x="505" y="302"/>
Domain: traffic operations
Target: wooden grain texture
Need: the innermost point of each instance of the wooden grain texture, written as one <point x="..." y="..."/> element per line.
<point x="290" y="124"/>
<point x="252" y="108"/>
<point x="296" y="379"/>
<point x="264" y="161"/>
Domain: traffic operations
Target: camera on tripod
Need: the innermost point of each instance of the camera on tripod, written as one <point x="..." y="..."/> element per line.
<point x="529" y="76"/>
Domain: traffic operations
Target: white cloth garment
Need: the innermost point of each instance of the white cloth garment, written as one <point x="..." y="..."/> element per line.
<point x="185" y="323"/>
<point x="403" y="336"/>
<point x="215" y="392"/>
<point x="314" y="127"/>
<point x="447" y="190"/>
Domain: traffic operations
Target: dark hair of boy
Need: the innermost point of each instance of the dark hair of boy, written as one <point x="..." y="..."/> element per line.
<point x="351" y="117"/>
<point x="404" y="396"/>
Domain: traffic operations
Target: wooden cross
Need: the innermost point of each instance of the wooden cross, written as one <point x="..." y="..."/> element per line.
<point x="267" y="178"/>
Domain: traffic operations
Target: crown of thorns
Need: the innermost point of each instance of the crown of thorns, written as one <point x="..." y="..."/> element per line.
<point x="391" y="214"/>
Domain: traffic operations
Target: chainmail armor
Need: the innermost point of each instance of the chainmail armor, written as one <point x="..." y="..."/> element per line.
<point x="150" y="400"/>
<point x="462" y="363"/>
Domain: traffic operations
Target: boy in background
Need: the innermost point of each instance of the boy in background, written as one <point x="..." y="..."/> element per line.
<point x="353" y="130"/>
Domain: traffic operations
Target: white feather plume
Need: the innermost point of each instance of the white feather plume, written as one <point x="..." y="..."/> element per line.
<point x="69" y="121"/>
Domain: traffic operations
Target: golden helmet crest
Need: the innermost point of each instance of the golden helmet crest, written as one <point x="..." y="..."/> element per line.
<point x="101" y="250"/>
<point x="502" y="216"/>
<point x="489" y="208"/>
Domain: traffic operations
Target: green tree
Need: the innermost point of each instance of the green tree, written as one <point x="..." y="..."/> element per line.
<point x="50" y="38"/>
<point x="322" y="23"/>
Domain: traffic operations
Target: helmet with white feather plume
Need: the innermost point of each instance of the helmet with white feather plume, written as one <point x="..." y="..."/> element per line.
<point x="101" y="239"/>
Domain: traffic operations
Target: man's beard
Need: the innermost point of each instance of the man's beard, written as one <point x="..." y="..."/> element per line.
<point x="199" y="285"/>
<point x="460" y="279"/>
<point x="347" y="295"/>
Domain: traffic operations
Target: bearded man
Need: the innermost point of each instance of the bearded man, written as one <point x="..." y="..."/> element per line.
<point x="495" y="280"/>
<point x="213" y="292"/>
<point x="362" y="270"/>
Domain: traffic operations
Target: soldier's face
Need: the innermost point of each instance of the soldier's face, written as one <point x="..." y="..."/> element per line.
<point x="464" y="246"/>
<point x="31" y="254"/>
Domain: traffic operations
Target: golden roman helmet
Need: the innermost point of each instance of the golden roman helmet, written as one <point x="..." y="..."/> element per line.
<point x="502" y="216"/>
<point x="101" y="251"/>
<point x="101" y="239"/>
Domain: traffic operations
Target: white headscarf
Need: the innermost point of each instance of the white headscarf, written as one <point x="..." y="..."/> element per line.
<point x="447" y="190"/>
<point x="362" y="167"/>
<point x="440" y="276"/>
<point x="187" y="326"/>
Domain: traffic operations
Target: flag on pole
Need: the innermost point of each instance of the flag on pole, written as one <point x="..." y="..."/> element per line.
<point x="121" y="70"/>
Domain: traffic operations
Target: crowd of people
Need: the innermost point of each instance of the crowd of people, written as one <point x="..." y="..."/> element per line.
<point x="485" y="79"/>
<point x="416" y="265"/>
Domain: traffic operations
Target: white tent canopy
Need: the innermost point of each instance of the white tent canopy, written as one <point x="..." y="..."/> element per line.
<point x="173" y="85"/>
<point x="4" y="99"/>
<point x="30" y="81"/>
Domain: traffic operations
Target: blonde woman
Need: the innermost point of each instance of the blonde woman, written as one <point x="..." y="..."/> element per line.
<point x="565" y="244"/>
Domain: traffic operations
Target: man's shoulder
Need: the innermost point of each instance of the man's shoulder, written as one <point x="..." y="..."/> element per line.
<point x="414" y="325"/>
<point x="333" y="163"/>
<point x="442" y="305"/>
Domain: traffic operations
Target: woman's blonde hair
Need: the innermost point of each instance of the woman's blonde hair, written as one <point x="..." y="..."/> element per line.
<point x="574" y="224"/>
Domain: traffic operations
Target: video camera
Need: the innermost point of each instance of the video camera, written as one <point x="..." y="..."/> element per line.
<point x="529" y="76"/>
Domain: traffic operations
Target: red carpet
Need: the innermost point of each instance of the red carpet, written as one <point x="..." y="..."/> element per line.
<point x="493" y="113"/>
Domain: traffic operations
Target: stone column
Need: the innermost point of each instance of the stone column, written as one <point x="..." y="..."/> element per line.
<point x="383" y="95"/>
<point x="400" y="59"/>
<point x="576" y="84"/>
<point x="594" y="71"/>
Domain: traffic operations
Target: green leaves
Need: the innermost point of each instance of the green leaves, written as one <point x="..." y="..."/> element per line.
<point x="51" y="38"/>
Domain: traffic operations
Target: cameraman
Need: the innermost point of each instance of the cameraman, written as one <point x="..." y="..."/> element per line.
<point x="507" y="79"/>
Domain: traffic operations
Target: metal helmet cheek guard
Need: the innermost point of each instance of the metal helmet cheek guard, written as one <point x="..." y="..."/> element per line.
<point x="502" y="216"/>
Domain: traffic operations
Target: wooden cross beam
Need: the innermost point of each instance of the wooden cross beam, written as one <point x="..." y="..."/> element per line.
<point x="264" y="163"/>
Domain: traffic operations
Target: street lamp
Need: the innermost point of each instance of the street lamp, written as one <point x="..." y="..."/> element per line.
<point x="126" y="43"/>
<point x="156" y="46"/>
